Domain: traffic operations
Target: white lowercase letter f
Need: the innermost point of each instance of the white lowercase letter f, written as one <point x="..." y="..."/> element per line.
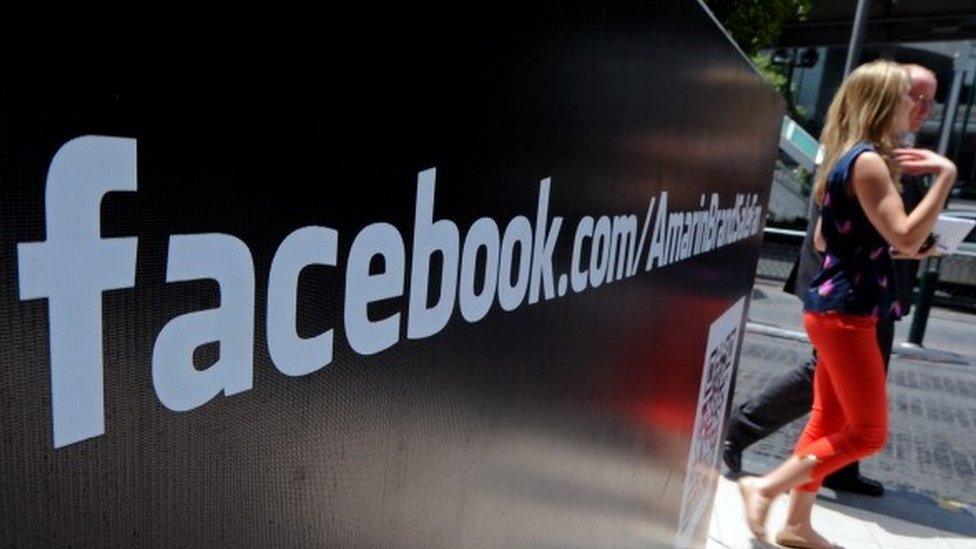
<point x="72" y="268"/>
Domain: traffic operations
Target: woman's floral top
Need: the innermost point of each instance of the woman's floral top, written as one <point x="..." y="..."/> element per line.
<point x="857" y="274"/>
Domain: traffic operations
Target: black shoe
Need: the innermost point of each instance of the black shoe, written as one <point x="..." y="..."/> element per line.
<point x="855" y="484"/>
<point x="732" y="456"/>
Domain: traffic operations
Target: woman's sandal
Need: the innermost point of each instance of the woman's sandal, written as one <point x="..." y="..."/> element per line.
<point x="789" y="539"/>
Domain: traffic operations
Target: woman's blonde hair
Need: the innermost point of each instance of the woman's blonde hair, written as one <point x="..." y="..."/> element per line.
<point x="863" y="110"/>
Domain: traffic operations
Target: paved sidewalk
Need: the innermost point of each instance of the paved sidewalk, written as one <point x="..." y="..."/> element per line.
<point x="929" y="463"/>
<point x="898" y="520"/>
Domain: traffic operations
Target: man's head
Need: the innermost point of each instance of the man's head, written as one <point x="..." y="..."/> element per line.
<point x="923" y="86"/>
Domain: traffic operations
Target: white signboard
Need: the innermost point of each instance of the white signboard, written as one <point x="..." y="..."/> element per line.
<point x="706" y="443"/>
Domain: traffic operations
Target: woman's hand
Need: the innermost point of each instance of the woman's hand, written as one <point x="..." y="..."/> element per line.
<point x="922" y="161"/>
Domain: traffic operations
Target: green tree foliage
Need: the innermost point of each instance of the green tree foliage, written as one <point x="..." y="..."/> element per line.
<point x="756" y="26"/>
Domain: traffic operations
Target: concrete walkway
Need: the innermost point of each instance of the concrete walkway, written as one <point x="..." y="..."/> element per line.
<point x="899" y="520"/>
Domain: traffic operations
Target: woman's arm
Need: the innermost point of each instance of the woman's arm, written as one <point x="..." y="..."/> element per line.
<point x="883" y="206"/>
<point x="819" y="242"/>
<point x="932" y="251"/>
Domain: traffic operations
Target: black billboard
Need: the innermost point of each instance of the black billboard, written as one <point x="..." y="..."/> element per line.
<point x="378" y="276"/>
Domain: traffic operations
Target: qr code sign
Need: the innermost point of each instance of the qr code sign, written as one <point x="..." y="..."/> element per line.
<point x="706" y="442"/>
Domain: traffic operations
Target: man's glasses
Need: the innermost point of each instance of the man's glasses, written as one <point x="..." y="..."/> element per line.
<point x="923" y="101"/>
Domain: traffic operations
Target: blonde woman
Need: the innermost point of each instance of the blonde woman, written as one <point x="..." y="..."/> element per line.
<point x="863" y="218"/>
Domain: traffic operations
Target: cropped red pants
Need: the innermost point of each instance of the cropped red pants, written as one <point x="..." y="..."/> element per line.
<point x="849" y="418"/>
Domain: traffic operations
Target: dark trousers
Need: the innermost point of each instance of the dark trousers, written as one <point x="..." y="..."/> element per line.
<point x="789" y="397"/>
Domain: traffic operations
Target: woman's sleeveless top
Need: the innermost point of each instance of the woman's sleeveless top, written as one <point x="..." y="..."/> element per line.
<point x="857" y="274"/>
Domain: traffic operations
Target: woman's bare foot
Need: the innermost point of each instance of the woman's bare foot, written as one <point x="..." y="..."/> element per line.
<point x="756" y="504"/>
<point x="803" y="538"/>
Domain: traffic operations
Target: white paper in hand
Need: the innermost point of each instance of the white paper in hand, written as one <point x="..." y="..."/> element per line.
<point x="950" y="232"/>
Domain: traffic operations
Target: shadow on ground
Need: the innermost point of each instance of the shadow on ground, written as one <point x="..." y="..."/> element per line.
<point x="901" y="513"/>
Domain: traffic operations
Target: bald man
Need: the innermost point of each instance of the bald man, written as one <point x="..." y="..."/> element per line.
<point x="790" y="396"/>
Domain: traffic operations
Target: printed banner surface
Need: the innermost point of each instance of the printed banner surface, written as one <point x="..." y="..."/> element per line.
<point x="707" y="435"/>
<point x="405" y="277"/>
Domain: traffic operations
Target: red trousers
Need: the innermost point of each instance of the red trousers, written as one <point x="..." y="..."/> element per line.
<point x="849" y="418"/>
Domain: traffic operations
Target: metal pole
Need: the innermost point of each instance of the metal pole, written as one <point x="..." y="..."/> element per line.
<point x="789" y="82"/>
<point x="930" y="275"/>
<point x="965" y="116"/>
<point x="857" y="35"/>
<point x="952" y="105"/>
